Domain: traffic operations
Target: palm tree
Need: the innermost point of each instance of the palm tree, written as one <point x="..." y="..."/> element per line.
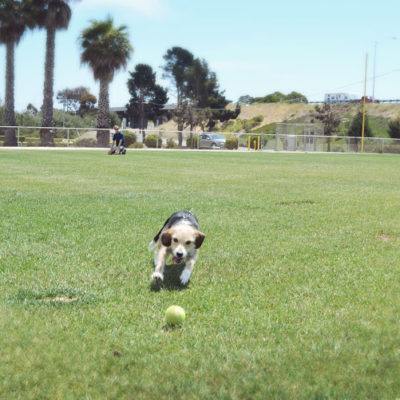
<point x="105" y="49"/>
<point x="51" y="15"/>
<point x="13" y="23"/>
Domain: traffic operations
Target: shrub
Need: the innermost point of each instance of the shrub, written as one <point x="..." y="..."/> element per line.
<point x="394" y="129"/>
<point x="171" y="144"/>
<point x="153" y="141"/>
<point x="231" y="143"/>
<point x="86" y="142"/>
<point x="192" y="142"/>
<point x="138" y="145"/>
<point x="130" y="138"/>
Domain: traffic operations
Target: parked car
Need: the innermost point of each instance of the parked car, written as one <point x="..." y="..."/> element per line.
<point x="211" y="141"/>
<point x="367" y="100"/>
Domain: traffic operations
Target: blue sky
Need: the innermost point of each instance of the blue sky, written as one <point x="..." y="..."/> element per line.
<point x="255" y="47"/>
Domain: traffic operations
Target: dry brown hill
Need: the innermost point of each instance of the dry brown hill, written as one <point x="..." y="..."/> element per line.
<point x="280" y="112"/>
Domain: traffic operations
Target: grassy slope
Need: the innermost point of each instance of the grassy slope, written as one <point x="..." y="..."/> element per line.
<point x="295" y="294"/>
<point x="379" y="116"/>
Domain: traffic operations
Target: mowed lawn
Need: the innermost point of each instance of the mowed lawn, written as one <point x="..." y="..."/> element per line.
<point x="295" y="295"/>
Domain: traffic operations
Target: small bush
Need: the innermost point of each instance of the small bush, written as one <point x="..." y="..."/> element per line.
<point x="231" y="143"/>
<point x="153" y="141"/>
<point x="171" y="144"/>
<point x="130" y="138"/>
<point x="86" y="142"/>
<point x="192" y="142"/>
<point x="138" y="145"/>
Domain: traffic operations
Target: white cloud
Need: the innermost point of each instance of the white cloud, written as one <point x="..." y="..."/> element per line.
<point x="148" y="8"/>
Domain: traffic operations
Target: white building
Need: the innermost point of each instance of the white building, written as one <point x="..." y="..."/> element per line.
<point x="339" y="97"/>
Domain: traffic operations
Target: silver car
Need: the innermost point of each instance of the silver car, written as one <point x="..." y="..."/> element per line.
<point x="212" y="141"/>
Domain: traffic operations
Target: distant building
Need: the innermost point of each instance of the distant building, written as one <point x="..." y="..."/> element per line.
<point x="339" y="97"/>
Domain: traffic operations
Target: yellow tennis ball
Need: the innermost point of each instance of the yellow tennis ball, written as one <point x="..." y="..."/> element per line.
<point x="175" y="315"/>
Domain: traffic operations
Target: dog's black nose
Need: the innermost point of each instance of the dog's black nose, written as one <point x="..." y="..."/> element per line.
<point x="179" y="254"/>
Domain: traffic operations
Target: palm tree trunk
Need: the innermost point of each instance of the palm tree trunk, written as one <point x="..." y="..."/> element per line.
<point x="103" y="115"/>
<point x="180" y="120"/>
<point x="46" y="135"/>
<point x="141" y="117"/>
<point x="9" y="136"/>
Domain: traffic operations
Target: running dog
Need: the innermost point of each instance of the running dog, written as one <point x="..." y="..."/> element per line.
<point x="180" y="236"/>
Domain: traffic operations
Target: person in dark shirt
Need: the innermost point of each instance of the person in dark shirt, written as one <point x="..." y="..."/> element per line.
<point x="118" y="143"/>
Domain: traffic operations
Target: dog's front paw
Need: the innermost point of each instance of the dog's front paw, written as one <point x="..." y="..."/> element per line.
<point x="185" y="276"/>
<point x="157" y="277"/>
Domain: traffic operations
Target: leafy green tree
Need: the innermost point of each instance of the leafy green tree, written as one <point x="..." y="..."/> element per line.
<point x="87" y="103"/>
<point x="246" y="99"/>
<point x="106" y="49"/>
<point x="330" y="119"/>
<point x="14" y="20"/>
<point x="296" y="97"/>
<point x="355" y="130"/>
<point x="275" y="97"/>
<point x="200" y="83"/>
<point x="197" y="86"/>
<point x="394" y="128"/>
<point x="202" y="91"/>
<point x="147" y="98"/>
<point x="51" y="15"/>
<point x="74" y="99"/>
<point x="279" y="97"/>
<point x="30" y="108"/>
<point x="177" y="62"/>
<point x="192" y="116"/>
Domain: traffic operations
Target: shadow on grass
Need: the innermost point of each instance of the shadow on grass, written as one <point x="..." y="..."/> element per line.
<point x="169" y="327"/>
<point x="172" y="272"/>
<point x="57" y="296"/>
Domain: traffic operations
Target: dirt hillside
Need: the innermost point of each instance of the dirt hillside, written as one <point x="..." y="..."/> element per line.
<point x="280" y="112"/>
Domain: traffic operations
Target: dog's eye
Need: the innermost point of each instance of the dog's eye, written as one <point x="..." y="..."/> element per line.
<point x="188" y="242"/>
<point x="175" y="240"/>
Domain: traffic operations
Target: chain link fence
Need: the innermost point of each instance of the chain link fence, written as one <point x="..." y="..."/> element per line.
<point x="298" y="139"/>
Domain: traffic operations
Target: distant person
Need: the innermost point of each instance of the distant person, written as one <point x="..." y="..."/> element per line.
<point x="118" y="143"/>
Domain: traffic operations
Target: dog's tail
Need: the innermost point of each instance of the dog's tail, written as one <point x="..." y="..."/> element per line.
<point x="152" y="245"/>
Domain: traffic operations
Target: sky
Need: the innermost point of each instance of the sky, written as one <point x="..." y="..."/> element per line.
<point x="255" y="47"/>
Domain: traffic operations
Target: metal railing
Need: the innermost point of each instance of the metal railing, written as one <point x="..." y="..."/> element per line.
<point x="28" y="136"/>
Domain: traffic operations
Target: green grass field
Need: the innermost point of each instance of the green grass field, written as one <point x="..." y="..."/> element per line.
<point x="295" y="295"/>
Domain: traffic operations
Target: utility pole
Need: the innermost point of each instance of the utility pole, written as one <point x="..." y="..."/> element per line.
<point x="363" y="111"/>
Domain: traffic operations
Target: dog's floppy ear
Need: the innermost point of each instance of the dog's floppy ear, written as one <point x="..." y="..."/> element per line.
<point x="199" y="239"/>
<point x="166" y="238"/>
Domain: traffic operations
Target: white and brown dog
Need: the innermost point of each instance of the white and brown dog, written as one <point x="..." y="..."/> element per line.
<point x="180" y="236"/>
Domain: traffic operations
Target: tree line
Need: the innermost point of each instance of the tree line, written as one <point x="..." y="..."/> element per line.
<point x="275" y="97"/>
<point x="105" y="48"/>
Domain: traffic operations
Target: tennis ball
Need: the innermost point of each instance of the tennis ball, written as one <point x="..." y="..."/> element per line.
<point x="175" y="315"/>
